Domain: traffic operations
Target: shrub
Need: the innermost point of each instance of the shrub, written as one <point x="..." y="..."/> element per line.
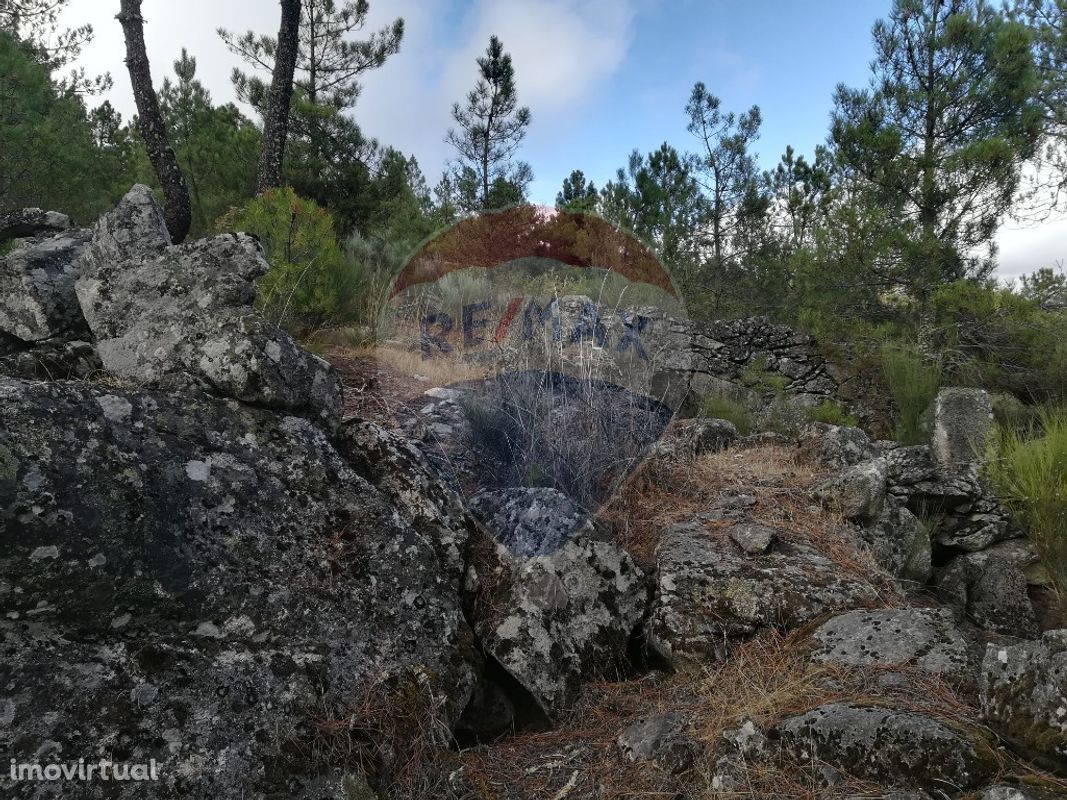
<point x="831" y="413"/>
<point x="913" y="384"/>
<point x="719" y="406"/>
<point x="310" y="284"/>
<point x="1030" y="474"/>
<point x="375" y="263"/>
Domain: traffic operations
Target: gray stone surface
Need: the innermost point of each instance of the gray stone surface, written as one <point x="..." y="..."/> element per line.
<point x="195" y="581"/>
<point x="896" y="749"/>
<point x="753" y="538"/>
<point x="26" y="222"/>
<point x="530" y="521"/>
<point x="990" y="588"/>
<point x="836" y="445"/>
<point x="661" y="739"/>
<point x="553" y="621"/>
<point x="37" y="300"/>
<point x="180" y="317"/>
<point x="1023" y="696"/>
<point x="400" y="472"/>
<point x="857" y="492"/>
<point x="708" y="593"/>
<point x="900" y="543"/>
<point x="927" y="638"/>
<point x="690" y="438"/>
<point x="963" y="421"/>
<point x="52" y="361"/>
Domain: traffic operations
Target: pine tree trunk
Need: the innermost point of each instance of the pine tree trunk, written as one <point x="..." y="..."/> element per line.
<point x="177" y="209"/>
<point x="276" y="122"/>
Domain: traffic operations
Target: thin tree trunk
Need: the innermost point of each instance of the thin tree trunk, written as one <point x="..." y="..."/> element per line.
<point x="177" y="209"/>
<point x="276" y="122"/>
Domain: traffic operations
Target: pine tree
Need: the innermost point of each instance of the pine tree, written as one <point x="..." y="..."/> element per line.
<point x="578" y="194"/>
<point x="38" y="23"/>
<point x="490" y="128"/>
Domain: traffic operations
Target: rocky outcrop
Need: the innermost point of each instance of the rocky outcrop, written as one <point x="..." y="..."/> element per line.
<point x="690" y="438"/>
<point x="27" y="222"/>
<point x="531" y="521"/>
<point x="182" y="317"/>
<point x="963" y="423"/>
<point x="857" y="492"/>
<point x="896" y="749"/>
<point x="661" y="739"/>
<point x="900" y="543"/>
<point x="835" y="445"/>
<point x="990" y="588"/>
<point x="926" y="638"/>
<point x="196" y="581"/>
<point x="37" y="300"/>
<point x="1023" y="696"/>
<point x="553" y="621"/>
<point x="710" y="591"/>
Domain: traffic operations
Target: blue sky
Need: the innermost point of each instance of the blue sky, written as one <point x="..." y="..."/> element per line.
<point x="601" y="77"/>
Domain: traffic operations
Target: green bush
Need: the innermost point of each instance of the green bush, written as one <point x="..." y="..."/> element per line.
<point x="1030" y="474"/>
<point x="375" y="263"/>
<point x="831" y="413"/>
<point x="310" y="284"/>
<point x="913" y="384"/>
<point x="719" y="406"/>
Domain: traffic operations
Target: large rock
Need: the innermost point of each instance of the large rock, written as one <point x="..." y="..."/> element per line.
<point x="857" y="492"/>
<point x="900" y="543"/>
<point x="963" y="422"/>
<point x="927" y="638"/>
<point x="991" y="587"/>
<point x="400" y="472"/>
<point x="208" y="585"/>
<point x="709" y="591"/>
<point x="26" y="222"/>
<point x="1023" y="696"/>
<point x="531" y="521"/>
<point x="179" y="317"/>
<point x="37" y="300"/>
<point x="899" y="749"/>
<point x="555" y="620"/>
<point x="836" y="445"/>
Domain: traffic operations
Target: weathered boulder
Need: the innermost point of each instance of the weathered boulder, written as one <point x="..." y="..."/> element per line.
<point x="180" y="317"/>
<point x="963" y="421"/>
<point x="708" y="591"/>
<point x="37" y="300"/>
<point x="199" y="582"/>
<point x="900" y="749"/>
<point x="531" y="521"/>
<point x="836" y="445"/>
<point x="900" y="543"/>
<point x="1023" y="696"/>
<point x="991" y="588"/>
<point x="661" y="739"/>
<point x="53" y="360"/>
<point x="554" y="620"/>
<point x="400" y="472"/>
<point x="927" y="638"/>
<point x="857" y="492"/>
<point x="690" y="438"/>
<point x="26" y="222"/>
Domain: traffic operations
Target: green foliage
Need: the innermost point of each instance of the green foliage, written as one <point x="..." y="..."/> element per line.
<point x="995" y="338"/>
<point x="913" y="385"/>
<point x="374" y="262"/>
<point x="720" y="406"/>
<point x="1030" y="474"/>
<point x="310" y="284"/>
<point x="759" y="377"/>
<point x="49" y="152"/>
<point x="577" y="194"/>
<point x="489" y="129"/>
<point x="832" y="414"/>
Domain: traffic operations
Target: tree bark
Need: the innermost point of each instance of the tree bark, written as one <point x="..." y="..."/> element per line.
<point x="177" y="209"/>
<point x="276" y="120"/>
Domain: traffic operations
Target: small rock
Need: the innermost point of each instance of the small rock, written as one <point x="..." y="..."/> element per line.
<point x="661" y="739"/>
<point x="836" y="445"/>
<point x="753" y="538"/>
<point x="963" y="421"/>
<point x="990" y="588"/>
<point x="858" y="492"/>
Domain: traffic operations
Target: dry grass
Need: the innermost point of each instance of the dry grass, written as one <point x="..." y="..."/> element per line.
<point x="664" y="492"/>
